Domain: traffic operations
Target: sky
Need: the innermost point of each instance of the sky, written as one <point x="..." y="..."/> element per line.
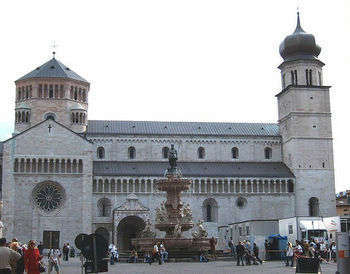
<point x="182" y="60"/>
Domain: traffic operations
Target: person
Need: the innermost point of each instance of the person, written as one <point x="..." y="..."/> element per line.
<point x="133" y="257"/>
<point x="212" y="243"/>
<point x="231" y="246"/>
<point x="333" y="249"/>
<point x="247" y="252"/>
<point x="148" y="259"/>
<point x="240" y="253"/>
<point x="32" y="258"/>
<point x="7" y="256"/>
<point x="289" y="255"/>
<point x="41" y="248"/>
<point x="54" y="260"/>
<point x="256" y="253"/>
<point x="267" y="249"/>
<point x="163" y="253"/>
<point x="114" y="253"/>
<point x="203" y="258"/>
<point x="65" y="251"/>
<point x="17" y="266"/>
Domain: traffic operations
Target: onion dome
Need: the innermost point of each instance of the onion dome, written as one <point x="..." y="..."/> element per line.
<point x="299" y="45"/>
<point x="53" y="69"/>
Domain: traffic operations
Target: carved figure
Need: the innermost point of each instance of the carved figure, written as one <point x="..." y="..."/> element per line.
<point x="201" y="232"/>
<point x="177" y="231"/>
<point x="187" y="213"/>
<point x="147" y="232"/>
<point x="161" y="214"/>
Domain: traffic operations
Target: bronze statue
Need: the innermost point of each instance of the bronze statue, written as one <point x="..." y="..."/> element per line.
<point x="172" y="160"/>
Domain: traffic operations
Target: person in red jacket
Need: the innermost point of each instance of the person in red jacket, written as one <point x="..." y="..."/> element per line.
<point x="32" y="258"/>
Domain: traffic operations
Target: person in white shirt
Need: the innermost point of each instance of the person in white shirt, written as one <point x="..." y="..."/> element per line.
<point x="289" y="255"/>
<point x="54" y="260"/>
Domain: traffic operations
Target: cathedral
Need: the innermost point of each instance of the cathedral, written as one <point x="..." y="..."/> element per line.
<point x="63" y="174"/>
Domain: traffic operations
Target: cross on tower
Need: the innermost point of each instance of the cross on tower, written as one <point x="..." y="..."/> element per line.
<point x="49" y="127"/>
<point x="54" y="46"/>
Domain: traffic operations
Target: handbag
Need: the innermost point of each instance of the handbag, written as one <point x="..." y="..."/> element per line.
<point x="42" y="268"/>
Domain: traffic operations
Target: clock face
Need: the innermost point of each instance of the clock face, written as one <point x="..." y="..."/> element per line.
<point x="48" y="196"/>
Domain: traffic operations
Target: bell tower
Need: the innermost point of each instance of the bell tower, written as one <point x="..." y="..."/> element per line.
<point x="52" y="91"/>
<point x="305" y="124"/>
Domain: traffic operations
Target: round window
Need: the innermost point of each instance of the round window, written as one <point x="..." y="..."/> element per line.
<point x="48" y="196"/>
<point x="241" y="202"/>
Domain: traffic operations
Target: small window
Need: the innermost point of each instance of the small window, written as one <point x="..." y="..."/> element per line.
<point x="295" y="77"/>
<point x="292" y="77"/>
<point x="201" y="153"/>
<point x="235" y="153"/>
<point x="314" y="209"/>
<point x="100" y="153"/>
<point x="132" y="153"/>
<point x="165" y="152"/>
<point x="284" y="80"/>
<point x="268" y="153"/>
<point x="290" y="229"/>
<point x="247" y="230"/>
<point x="241" y="202"/>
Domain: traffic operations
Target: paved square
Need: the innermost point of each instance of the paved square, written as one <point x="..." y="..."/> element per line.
<point x="73" y="267"/>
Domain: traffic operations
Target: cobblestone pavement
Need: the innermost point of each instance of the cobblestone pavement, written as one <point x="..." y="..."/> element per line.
<point x="73" y="267"/>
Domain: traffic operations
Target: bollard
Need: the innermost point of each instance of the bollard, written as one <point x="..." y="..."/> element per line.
<point x="343" y="253"/>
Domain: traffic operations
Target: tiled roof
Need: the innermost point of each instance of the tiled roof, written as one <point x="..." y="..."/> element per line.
<point x="53" y="69"/>
<point x="180" y="128"/>
<point x="194" y="169"/>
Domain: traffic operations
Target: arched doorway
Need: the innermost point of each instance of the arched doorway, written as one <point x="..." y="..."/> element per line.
<point x="128" y="228"/>
<point x="103" y="232"/>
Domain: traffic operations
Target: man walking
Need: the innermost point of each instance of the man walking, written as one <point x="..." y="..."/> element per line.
<point x="240" y="253"/>
<point x="231" y="246"/>
<point x="7" y="255"/>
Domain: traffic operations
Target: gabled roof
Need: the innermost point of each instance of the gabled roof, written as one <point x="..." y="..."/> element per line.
<point x="28" y="129"/>
<point x="53" y="69"/>
<point x="194" y="169"/>
<point x="181" y="128"/>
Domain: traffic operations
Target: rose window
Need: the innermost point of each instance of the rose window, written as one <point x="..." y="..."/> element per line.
<point x="48" y="196"/>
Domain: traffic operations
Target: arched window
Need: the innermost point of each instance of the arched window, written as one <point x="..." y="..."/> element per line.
<point x="308" y="73"/>
<point x="201" y="153"/>
<point x="165" y="152"/>
<point x="268" y="153"/>
<point x="100" y="153"/>
<point x="50" y="115"/>
<point x="210" y="210"/>
<point x="295" y="77"/>
<point x="314" y="208"/>
<point x="284" y="80"/>
<point x="104" y="207"/>
<point x="290" y="186"/>
<point x="76" y="93"/>
<point x="132" y="153"/>
<point x="320" y="78"/>
<point x="235" y="153"/>
<point x="50" y="91"/>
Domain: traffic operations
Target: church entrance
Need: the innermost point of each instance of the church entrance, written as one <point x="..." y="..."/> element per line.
<point x="128" y="228"/>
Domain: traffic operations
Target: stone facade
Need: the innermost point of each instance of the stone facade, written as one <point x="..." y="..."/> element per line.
<point x="50" y="179"/>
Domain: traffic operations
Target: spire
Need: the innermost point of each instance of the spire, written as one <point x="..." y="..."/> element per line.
<point x="53" y="54"/>
<point x="298" y="28"/>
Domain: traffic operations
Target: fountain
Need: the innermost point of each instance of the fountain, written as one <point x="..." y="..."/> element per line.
<point x="173" y="217"/>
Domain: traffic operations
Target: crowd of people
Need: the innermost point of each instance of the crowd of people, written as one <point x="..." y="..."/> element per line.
<point x="313" y="249"/>
<point x="17" y="258"/>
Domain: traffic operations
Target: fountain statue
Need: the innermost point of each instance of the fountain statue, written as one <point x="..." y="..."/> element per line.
<point x="173" y="217"/>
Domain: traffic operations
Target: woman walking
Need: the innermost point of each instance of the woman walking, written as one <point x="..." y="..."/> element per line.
<point x="32" y="258"/>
